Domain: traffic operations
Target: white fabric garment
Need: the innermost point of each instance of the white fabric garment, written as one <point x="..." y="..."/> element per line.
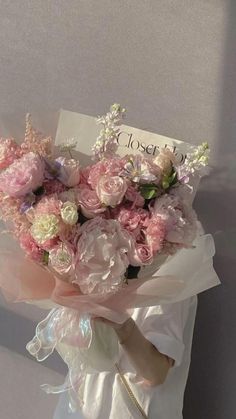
<point x="170" y="328"/>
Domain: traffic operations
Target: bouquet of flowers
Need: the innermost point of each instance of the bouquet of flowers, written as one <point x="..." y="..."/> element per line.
<point x="94" y="238"/>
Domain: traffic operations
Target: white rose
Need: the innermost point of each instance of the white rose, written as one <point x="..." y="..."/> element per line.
<point x="69" y="213"/>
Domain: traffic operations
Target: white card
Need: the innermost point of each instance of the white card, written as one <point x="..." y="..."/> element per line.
<point x="131" y="140"/>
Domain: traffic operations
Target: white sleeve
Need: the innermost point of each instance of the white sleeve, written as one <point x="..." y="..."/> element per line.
<point x="163" y="326"/>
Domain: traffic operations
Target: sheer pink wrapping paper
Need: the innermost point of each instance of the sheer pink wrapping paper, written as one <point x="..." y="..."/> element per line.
<point x="68" y="327"/>
<point x="24" y="280"/>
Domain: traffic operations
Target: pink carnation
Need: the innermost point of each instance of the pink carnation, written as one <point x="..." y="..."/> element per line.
<point x="48" y="205"/>
<point x="9" y="151"/>
<point x="134" y="196"/>
<point x="30" y="246"/>
<point x="50" y="244"/>
<point x="132" y="219"/>
<point x="23" y="176"/>
<point x="53" y="186"/>
<point x="155" y="233"/>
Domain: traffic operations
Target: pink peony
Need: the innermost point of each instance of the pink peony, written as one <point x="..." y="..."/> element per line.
<point x="134" y="196"/>
<point x="69" y="171"/>
<point x="155" y="233"/>
<point x="102" y="256"/>
<point x="30" y="246"/>
<point x="179" y="218"/>
<point x="111" y="190"/>
<point x="23" y="176"/>
<point x="9" y="151"/>
<point x="89" y="203"/>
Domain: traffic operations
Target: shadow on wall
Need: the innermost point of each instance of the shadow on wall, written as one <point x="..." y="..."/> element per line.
<point x="17" y="330"/>
<point x="211" y="386"/>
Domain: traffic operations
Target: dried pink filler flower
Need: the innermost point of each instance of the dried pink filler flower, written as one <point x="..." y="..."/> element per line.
<point x="9" y="151"/>
<point x="10" y="211"/>
<point x="34" y="141"/>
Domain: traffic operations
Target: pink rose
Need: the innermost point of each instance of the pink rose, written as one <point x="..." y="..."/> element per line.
<point x="9" y="151"/>
<point x="155" y="233"/>
<point x="61" y="258"/>
<point x="102" y="256"/>
<point x="141" y="255"/>
<point x="69" y="171"/>
<point x="89" y="203"/>
<point x="23" y="176"/>
<point x="111" y="190"/>
<point x="134" y="196"/>
<point x="165" y="160"/>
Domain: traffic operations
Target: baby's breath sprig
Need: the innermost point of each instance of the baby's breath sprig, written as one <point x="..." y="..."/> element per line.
<point x="106" y="143"/>
<point x="198" y="159"/>
<point x="69" y="145"/>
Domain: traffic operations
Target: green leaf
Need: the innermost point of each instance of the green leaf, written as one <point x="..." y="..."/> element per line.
<point x="148" y="191"/>
<point x="168" y="181"/>
<point x="173" y="177"/>
<point x="165" y="183"/>
<point x="45" y="257"/>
